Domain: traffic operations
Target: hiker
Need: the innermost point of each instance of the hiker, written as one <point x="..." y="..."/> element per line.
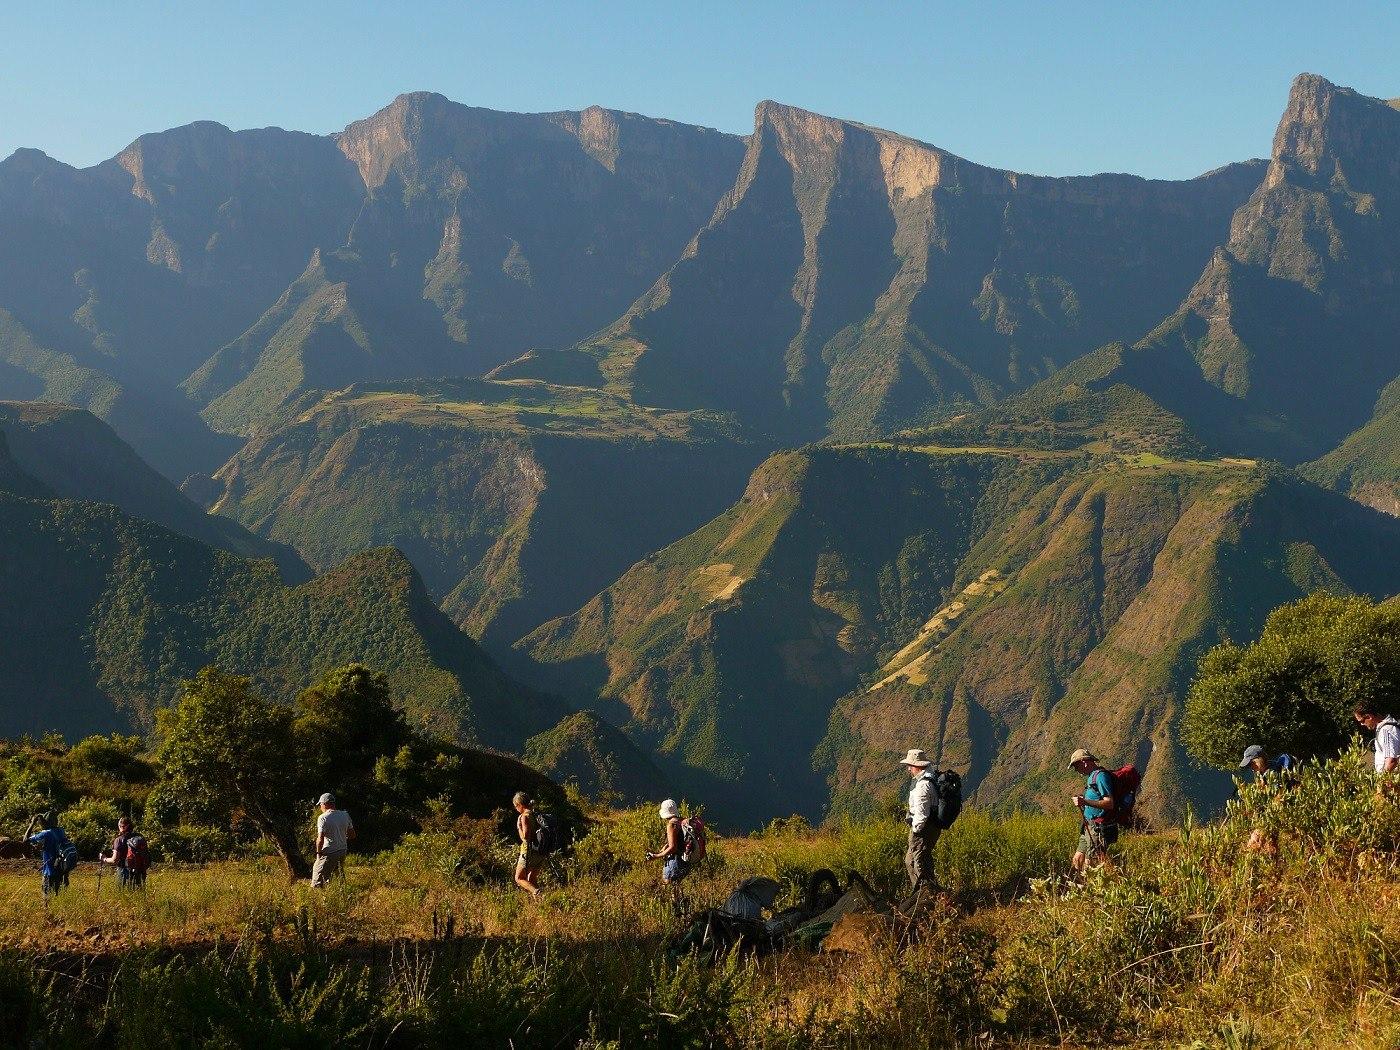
<point x="334" y="830"/>
<point x="1259" y="760"/>
<point x="1387" y="730"/>
<point x="527" y="868"/>
<point x="1273" y="773"/>
<point x="924" y="827"/>
<point x="59" y="854"/>
<point x="685" y="843"/>
<point x="1098" y="825"/>
<point x="130" y="856"/>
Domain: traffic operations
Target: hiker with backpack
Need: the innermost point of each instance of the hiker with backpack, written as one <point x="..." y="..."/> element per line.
<point x="334" y="830"/>
<point x="532" y="858"/>
<point x="924" y="827"/>
<point x="1387" y="730"/>
<point x="59" y="854"/>
<point x="1104" y="808"/>
<point x="131" y="856"/>
<point x="685" y="843"/>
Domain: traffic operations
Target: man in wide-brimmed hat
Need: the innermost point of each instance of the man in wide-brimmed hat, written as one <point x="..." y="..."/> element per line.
<point x="923" y="819"/>
<point x="1097" y="829"/>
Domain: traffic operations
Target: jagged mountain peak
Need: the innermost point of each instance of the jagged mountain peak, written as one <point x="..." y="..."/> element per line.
<point x="1328" y="131"/>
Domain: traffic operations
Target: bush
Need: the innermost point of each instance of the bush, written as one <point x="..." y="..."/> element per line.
<point x="90" y="825"/>
<point x="985" y="857"/>
<point x="191" y="844"/>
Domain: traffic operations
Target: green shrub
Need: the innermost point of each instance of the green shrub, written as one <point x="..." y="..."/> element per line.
<point x="985" y="856"/>
<point x="190" y="844"/>
<point x="90" y="825"/>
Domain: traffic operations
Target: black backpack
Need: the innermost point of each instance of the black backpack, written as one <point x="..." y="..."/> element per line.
<point x="548" y="834"/>
<point x="67" y="858"/>
<point x="947" y="785"/>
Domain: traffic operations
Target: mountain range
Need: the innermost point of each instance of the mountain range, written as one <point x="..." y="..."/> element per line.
<point x="677" y="460"/>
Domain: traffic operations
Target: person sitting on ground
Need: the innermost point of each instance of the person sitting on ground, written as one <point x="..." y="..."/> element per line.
<point x="56" y="851"/>
<point x="334" y="830"/>
<point x="1098" y="828"/>
<point x="676" y="867"/>
<point x="923" y="823"/>
<point x="1387" y="730"/>
<point x="527" y="867"/>
<point x="128" y="856"/>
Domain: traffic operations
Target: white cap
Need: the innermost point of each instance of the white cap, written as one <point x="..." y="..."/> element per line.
<point x="669" y="809"/>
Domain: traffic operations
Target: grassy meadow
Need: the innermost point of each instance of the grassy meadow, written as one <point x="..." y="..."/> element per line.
<point x="1190" y="940"/>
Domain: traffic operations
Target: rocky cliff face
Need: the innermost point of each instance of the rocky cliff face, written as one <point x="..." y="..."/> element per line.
<point x="1285" y="341"/>
<point x="854" y="281"/>
<point x="429" y="239"/>
<point x="484" y="234"/>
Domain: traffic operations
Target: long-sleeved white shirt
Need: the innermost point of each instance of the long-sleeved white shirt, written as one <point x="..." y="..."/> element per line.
<point x="923" y="800"/>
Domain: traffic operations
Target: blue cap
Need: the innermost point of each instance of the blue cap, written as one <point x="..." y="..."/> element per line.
<point x="1250" y="754"/>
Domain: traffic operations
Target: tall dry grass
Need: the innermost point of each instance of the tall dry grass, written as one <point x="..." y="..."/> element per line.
<point x="1191" y="940"/>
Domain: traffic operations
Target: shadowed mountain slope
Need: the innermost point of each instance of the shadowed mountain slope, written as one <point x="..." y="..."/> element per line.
<point x="854" y="281"/>
<point x="102" y="615"/>
<point x="517" y="501"/>
<point x="76" y="456"/>
<point x="117" y="280"/>
<point x="202" y="255"/>
<point x="1291" y="332"/>
<point x="1366" y="466"/>
<point x="484" y="234"/>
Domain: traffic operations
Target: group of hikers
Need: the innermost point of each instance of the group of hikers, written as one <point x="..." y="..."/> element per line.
<point x="1106" y="805"/>
<point x="540" y="836"/>
<point x="130" y="854"/>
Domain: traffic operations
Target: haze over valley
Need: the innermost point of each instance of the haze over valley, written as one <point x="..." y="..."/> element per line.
<point x="681" y="462"/>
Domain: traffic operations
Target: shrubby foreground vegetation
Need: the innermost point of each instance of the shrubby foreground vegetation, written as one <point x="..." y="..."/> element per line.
<point x="1194" y="938"/>
<point x="1190" y="941"/>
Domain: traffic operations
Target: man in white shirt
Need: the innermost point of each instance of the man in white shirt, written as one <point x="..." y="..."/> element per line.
<point x="334" y="830"/>
<point x="1387" y="731"/>
<point x="923" y="820"/>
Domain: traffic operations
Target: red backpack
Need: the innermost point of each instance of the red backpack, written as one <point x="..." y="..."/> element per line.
<point x="138" y="854"/>
<point x="1125" y="781"/>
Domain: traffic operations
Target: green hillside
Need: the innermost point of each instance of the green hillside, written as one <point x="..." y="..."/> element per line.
<point x="1003" y="603"/>
<point x="516" y="500"/>
<point x="1109" y="586"/>
<point x="101" y="616"/>
<point x="1366" y="466"/>
<point x="75" y="456"/>
<point x="724" y="652"/>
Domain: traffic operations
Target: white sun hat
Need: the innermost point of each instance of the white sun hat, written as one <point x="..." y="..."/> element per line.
<point x="669" y="809"/>
<point x="916" y="758"/>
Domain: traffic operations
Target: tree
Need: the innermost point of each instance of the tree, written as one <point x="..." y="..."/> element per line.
<point x="224" y="747"/>
<point x="1295" y="688"/>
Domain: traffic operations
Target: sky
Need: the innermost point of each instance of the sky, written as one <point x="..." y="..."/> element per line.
<point x="1058" y="87"/>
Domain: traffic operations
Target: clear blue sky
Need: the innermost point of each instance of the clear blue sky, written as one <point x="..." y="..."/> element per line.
<point x="1165" y="89"/>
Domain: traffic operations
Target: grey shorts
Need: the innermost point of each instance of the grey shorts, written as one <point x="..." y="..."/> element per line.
<point x="327" y="867"/>
<point x="1094" y="839"/>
